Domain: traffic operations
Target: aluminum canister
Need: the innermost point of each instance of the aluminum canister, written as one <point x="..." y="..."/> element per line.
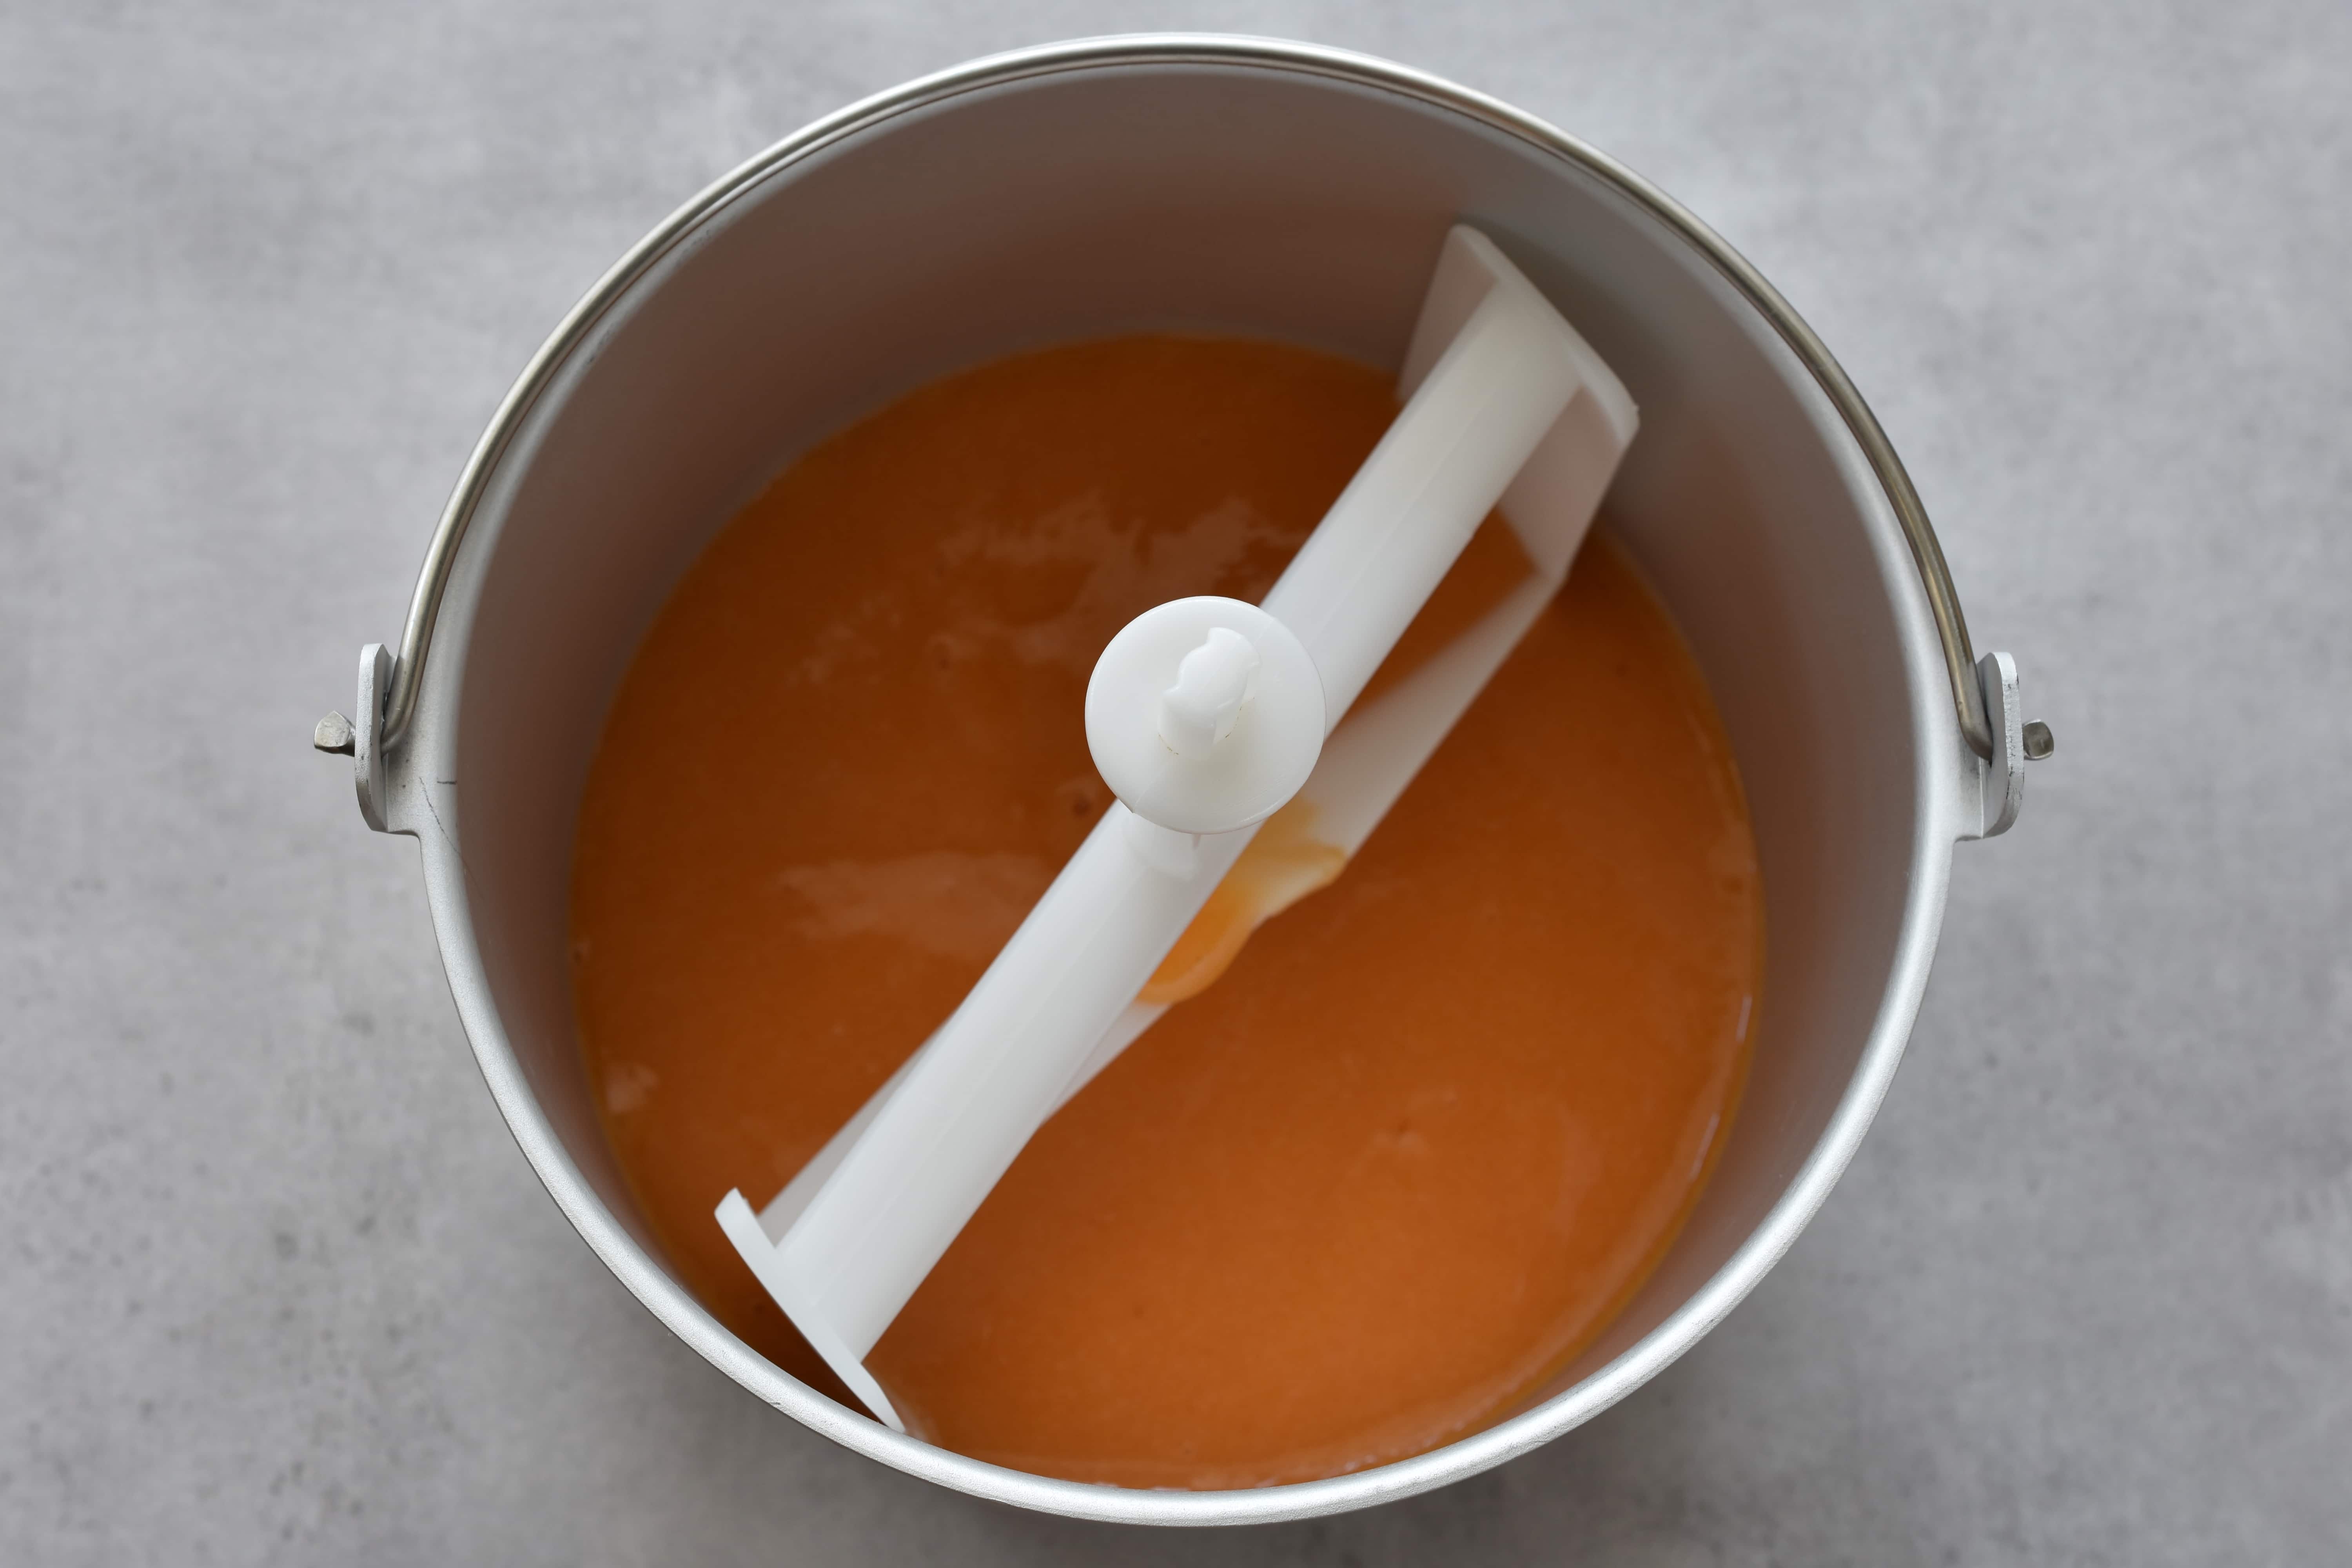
<point x="1237" y="186"/>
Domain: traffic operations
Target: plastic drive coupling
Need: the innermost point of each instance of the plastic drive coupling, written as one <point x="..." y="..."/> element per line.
<point x="1206" y="715"/>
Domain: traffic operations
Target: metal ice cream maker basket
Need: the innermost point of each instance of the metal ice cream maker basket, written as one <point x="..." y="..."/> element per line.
<point x="1237" y="186"/>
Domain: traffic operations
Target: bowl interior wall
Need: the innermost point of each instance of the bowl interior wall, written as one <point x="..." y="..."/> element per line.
<point x="1225" y="199"/>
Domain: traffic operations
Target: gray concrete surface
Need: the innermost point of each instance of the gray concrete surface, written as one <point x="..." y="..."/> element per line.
<point x="277" y="1287"/>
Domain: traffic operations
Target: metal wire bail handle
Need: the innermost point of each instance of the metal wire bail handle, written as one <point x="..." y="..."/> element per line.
<point x="1986" y="719"/>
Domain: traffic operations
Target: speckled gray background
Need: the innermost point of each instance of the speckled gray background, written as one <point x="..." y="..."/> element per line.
<point x="277" y="1287"/>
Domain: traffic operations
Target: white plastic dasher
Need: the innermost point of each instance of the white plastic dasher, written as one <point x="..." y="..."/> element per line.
<point x="1206" y="716"/>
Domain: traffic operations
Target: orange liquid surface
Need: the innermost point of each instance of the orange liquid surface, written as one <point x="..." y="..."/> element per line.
<point x="1425" y="1132"/>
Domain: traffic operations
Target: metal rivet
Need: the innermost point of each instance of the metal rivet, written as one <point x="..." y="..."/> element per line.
<point x="2039" y="742"/>
<point x="335" y="735"/>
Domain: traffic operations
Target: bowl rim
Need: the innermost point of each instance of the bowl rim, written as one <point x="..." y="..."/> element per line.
<point x="1924" y="630"/>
